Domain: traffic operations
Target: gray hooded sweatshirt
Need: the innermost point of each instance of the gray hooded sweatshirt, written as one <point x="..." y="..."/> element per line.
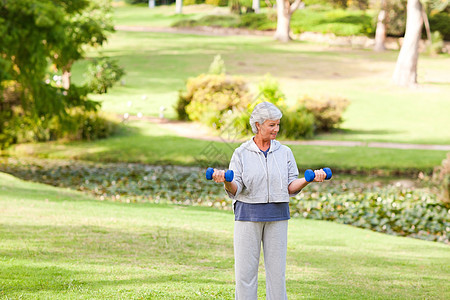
<point x="261" y="179"/>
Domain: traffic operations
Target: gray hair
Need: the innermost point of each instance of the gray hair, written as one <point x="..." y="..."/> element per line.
<point x="262" y="112"/>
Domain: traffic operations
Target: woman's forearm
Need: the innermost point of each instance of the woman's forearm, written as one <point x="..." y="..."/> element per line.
<point x="231" y="187"/>
<point x="297" y="185"/>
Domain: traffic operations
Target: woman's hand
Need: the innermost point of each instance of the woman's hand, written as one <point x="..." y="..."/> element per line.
<point x="319" y="175"/>
<point x="218" y="175"/>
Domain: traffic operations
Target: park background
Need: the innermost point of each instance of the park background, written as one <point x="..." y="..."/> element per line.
<point x="110" y="200"/>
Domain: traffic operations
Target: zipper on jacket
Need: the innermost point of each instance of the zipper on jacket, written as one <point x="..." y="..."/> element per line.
<point x="267" y="176"/>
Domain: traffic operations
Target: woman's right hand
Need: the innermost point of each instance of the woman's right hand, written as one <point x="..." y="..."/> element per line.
<point x="218" y="175"/>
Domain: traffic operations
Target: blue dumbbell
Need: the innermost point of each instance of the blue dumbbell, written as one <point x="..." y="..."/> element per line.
<point x="229" y="174"/>
<point x="309" y="174"/>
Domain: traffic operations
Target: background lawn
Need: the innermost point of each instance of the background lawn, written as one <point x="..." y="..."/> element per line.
<point x="59" y="244"/>
<point x="158" y="65"/>
<point x="148" y="143"/>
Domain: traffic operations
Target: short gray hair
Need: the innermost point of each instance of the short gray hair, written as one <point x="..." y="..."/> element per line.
<point x="262" y="112"/>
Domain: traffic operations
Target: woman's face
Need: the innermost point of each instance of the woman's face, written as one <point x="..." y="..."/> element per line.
<point x="269" y="129"/>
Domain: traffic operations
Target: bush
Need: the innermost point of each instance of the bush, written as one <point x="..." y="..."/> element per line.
<point x="327" y="112"/>
<point x="209" y="96"/>
<point x="437" y="44"/>
<point x="441" y="22"/>
<point x="405" y="212"/>
<point x="296" y="123"/>
<point x="217" y="2"/>
<point x="102" y="74"/>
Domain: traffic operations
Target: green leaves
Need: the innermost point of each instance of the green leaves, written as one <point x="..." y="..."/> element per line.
<point x="389" y="209"/>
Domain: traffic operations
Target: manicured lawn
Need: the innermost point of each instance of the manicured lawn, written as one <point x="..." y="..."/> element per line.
<point x="158" y="65"/>
<point x="148" y="143"/>
<point x="59" y="244"/>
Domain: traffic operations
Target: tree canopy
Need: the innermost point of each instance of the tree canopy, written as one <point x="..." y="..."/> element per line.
<point x="41" y="37"/>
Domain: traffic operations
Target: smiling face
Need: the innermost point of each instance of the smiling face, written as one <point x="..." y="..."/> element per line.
<point x="269" y="129"/>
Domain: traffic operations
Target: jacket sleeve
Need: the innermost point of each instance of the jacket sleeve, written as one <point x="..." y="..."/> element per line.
<point x="292" y="170"/>
<point x="236" y="166"/>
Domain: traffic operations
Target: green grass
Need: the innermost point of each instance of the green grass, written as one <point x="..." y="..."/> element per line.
<point x="60" y="244"/>
<point x="151" y="144"/>
<point x="158" y="65"/>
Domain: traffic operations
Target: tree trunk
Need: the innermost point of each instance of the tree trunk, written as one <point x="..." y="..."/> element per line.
<point x="405" y="73"/>
<point x="380" y="33"/>
<point x="283" y="21"/>
<point x="151" y="3"/>
<point x="66" y="76"/>
<point x="256" y="6"/>
<point x="178" y="6"/>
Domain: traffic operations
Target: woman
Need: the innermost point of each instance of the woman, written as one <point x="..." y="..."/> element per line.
<point x="265" y="176"/>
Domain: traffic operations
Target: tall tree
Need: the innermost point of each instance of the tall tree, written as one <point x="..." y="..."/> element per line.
<point x="36" y="34"/>
<point x="178" y="6"/>
<point x="405" y="73"/>
<point x="285" y="9"/>
<point x="256" y="6"/>
<point x="86" y="27"/>
<point x="380" y="33"/>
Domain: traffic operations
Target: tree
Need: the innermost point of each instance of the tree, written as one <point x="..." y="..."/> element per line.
<point x="178" y="6"/>
<point x="88" y="26"/>
<point x="405" y="73"/>
<point x="256" y="6"/>
<point x="285" y="9"/>
<point x="33" y="36"/>
<point x="380" y="33"/>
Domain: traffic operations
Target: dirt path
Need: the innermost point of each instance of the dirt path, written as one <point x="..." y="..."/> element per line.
<point x="201" y="132"/>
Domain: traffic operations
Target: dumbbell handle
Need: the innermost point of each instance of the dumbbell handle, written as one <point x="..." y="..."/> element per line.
<point x="310" y="175"/>
<point x="229" y="174"/>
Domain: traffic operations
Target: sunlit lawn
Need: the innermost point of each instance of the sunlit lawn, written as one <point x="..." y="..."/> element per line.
<point x="158" y="65"/>
<point x="59" y="244"/>
<point x="149" y="143"/>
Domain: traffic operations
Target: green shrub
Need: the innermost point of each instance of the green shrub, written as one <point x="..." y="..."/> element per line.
<point x="437" y="44"/>
<point x="392" y="210"/>
<point x="327" y="112"/>
<point x="217" y="2"/>
<point x="92" y="126"/>
<point x="296" y="123"/>
<point x="441" y="22"/>
<point x="389" y="209"/>
<point x="217" y="67"/>
<point x="209" y="96"/>
<point x="255" y="21"/>
<point x="102" y="74"/>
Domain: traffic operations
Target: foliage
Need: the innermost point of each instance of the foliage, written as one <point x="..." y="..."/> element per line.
<point x="297" y="123"/>
<point x="338" y="21"/>
<point x="406" y="212"/>
<point x="327" y="112"/>
<point x="217" y="67"/>
<point x="209" y="96"/>
<point x="389" y="209"/>
<point x="256" y="21"/>
<point x="441" y="22"/>
<point x="217" y="2"/>
<point x="226" y="21"/>
<point x="437" y="44"/>
<point x="102" y="74"/>
<point x="56" y="33"/>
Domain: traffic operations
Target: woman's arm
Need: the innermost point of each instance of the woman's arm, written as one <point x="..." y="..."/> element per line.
<point x="219" y="176"/>
<point x="298" y="184"/>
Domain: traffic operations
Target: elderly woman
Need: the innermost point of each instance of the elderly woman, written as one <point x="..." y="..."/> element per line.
<point x="265" y="176"/>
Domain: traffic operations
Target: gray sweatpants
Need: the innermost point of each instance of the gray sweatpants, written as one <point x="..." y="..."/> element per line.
<point x="248" y="237"/>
